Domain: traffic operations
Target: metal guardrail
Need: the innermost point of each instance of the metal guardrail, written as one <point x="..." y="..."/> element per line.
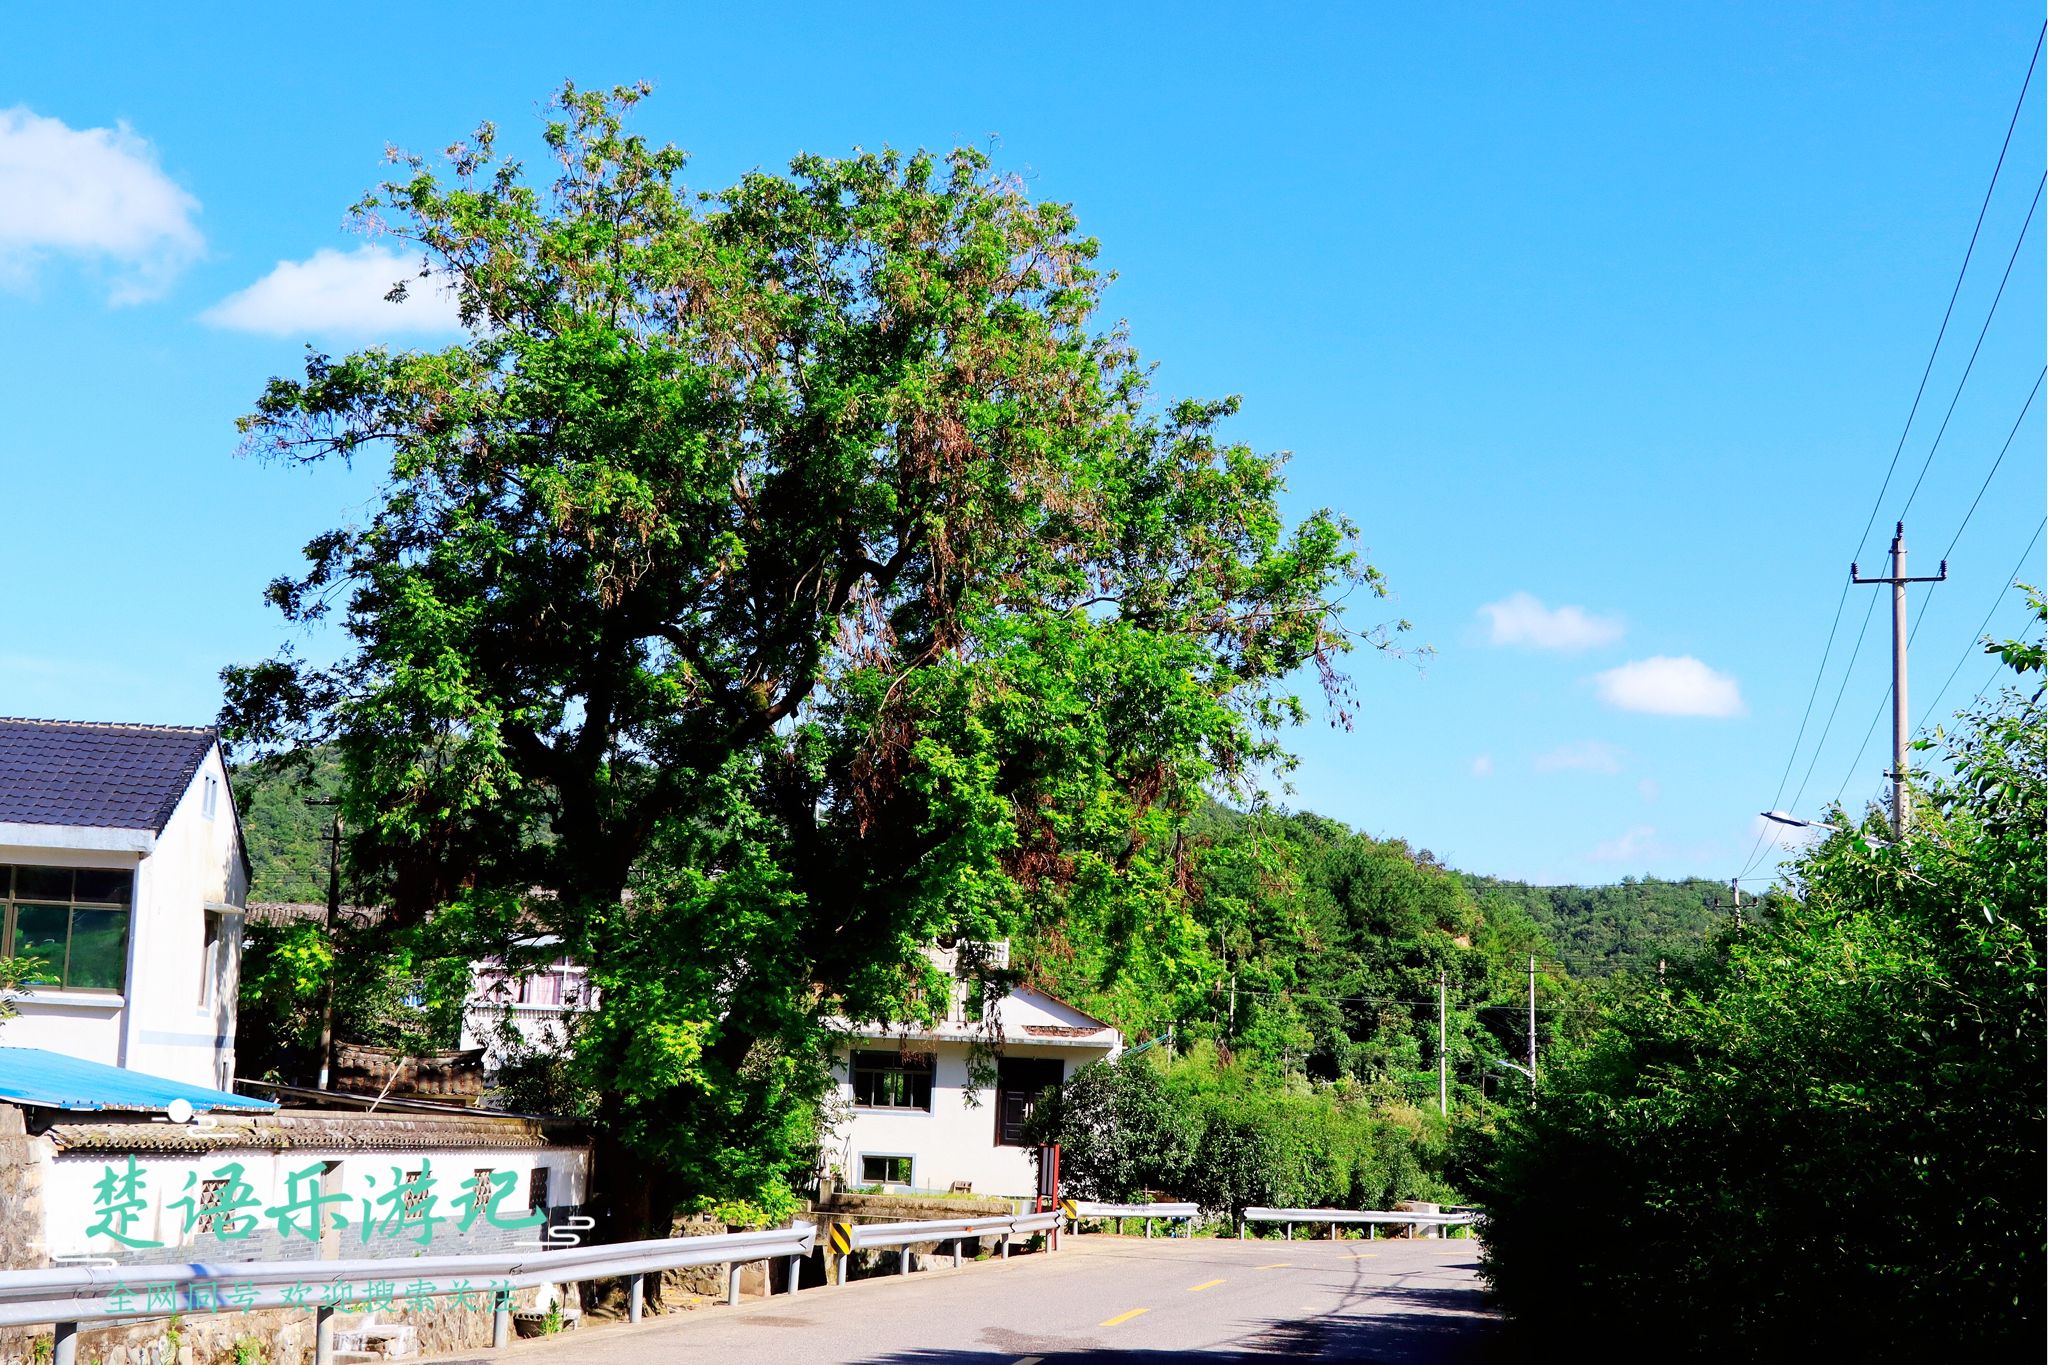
<point x="74" y="1294"/>
<point x="847" y="1238"/>
<point x="70" y="1295"/>
<point x="1079" y="1209"/>
<point x="1371" y="1218"/>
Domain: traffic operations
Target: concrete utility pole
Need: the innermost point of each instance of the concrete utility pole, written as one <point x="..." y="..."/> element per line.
<point x="1443" y="1062"/>
<point x="1901" y="798"/>
<point x="1532" y="1028"/>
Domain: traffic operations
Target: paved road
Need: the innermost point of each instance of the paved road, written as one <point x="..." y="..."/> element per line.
<point x="1100" y="1298"/>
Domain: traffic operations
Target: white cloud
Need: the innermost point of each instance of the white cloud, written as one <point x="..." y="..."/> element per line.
<point x="339" y="291"/>
<point x="1522" y="619"/>
<point x="95" y="194"/>
<point x="1665" y="686"/>
<point x="1634" y="844"/>
<point x="1482" y="766"/>
<point x="1586" y="756"/>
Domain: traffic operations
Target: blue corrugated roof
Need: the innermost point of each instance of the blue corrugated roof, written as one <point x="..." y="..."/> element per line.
<point x="33" y="1075"/>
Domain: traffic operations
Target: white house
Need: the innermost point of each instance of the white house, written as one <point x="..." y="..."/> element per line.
<point x="537" y="1003"/>
<point x="122" y="869"/>
<point x="915" y="1121"/>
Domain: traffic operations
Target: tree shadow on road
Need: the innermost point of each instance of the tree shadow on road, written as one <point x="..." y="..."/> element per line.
<point x="1383" y="1326"/>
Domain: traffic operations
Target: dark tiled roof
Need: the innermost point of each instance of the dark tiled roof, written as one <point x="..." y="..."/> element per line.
<point x="55" y="772"/>
<point x="1061" y="1031"/>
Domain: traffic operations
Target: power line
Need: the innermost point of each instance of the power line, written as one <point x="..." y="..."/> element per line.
<point x="1974" y="350"/>
<point x="1847" y="673"/>
<point x="1996" y="603"/>
<point x="1957" y="289"/>
<point x="1968" y="649"/>
<point x="1927" y="370"/>
<point x="2025" y="408"/>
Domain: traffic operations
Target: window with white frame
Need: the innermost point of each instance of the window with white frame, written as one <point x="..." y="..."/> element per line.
<point x="885" y="1169"/>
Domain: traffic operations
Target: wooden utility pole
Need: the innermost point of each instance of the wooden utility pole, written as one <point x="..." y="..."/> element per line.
<point x="1901" y="793"/>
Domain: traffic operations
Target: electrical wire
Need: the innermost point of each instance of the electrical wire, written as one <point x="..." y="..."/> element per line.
<point x="1996" y="603"/>
<point x="1957" y="289"/>
<point x="1982" y="332"/>
<point x="1927" y="370"/>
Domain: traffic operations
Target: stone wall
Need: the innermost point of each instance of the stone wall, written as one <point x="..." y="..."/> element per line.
<point x="21" y="1194"/>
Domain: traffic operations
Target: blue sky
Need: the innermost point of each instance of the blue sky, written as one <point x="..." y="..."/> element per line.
<point x="1602" y="321"/>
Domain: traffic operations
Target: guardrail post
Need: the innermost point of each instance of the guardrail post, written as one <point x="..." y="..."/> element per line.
<point x="65" y="1350"/>
<point x="636" y="1297"/>
<point x="796" y="1273"/>
<point x="323" y="1335"/>
<point x="1240" y="1229"/>
<point x="732" y="1284"/>
<point x="903" y="1259"/>
<point x="1148" y="1227"/>
<point x="501" y="1333"/>
<point x="956" y="1251"/>
<point x="1006" y="1246"/>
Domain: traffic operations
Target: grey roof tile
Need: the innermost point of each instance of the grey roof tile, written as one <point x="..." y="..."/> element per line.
<point x="55" y="772"/>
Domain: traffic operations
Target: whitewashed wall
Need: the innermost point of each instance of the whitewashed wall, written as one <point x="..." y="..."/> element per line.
<point x="69" y="1207"/>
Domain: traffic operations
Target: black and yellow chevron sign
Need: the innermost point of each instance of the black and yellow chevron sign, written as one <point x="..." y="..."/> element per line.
<point x="1070" y="1208"/>
<point x="841" y="1243"/>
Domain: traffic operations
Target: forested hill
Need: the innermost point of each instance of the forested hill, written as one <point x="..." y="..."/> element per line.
<point x="284" y="820"/>
<point x="1598" y="930"/>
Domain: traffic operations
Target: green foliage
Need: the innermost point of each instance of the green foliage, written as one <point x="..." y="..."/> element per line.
<point x="1600" y="930"/>
<point x="801" y="559"/>
<point x="16" y="974"/>
<point x="1120" y="1131"/>
<point x="1827" y="1137"/>
<point x="1314" y="951"/>
<point x="1224" y="1134"/>
<point x="285" y="806"/>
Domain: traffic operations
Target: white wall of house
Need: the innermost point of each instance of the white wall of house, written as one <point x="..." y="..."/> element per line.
<point x="957" y="1139"/>
<point x="175" y="1016"/>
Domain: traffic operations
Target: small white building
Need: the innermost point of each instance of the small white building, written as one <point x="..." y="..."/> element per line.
<point x="122" y="869"/>
<point x="914" y="1119"/>
<point x="530" y="1007"/>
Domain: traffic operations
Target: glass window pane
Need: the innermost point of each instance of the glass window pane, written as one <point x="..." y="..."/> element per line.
<point x="6" y="881"/>
<point x="104" y="884"/>
<point x="99" y="949"/>
<point x="40" y="931"/>
<point x="42" y="883"/>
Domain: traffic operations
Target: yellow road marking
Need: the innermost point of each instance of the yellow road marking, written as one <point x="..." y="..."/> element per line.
<point x="1360" y="1255"/>
<point x="1277" y="1265"/>
<point x="1206" y="1284"/>
<point x="1125" y="1317"/>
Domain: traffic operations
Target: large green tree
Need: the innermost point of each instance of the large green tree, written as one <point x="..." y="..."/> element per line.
<point x="771" y="580"/>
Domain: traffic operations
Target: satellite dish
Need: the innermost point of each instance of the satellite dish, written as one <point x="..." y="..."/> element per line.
<point x="179" y="1111"/>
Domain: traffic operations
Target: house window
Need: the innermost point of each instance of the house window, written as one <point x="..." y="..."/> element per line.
<point x="414" y="1203"/>
<point x="75" y="920"/>
<point x="209" y="800"/>
<point x="885" y="1170"/>
<point x="1019" y="1083"/>
<point x="484" y="1189"/>
<point x="892" y="1080"/>
<point x="537" y="1189"/>
<point x="209" y="960"/>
